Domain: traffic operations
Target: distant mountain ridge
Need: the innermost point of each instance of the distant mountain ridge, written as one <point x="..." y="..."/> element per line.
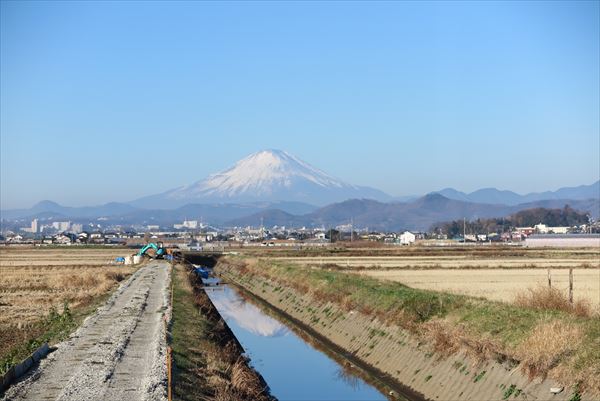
<point x="48" y="208"/>
<point x="269" y="175"/>
<point x="284" y="190"/>
<point x="216" y="212"/>
<point x="504" y="197"/>
<point x="418" y="215"/>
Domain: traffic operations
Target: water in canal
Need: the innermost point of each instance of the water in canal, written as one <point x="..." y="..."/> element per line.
<point x="294" y="369"/>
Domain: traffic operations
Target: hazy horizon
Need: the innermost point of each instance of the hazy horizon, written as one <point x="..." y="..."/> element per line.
<point x="393" y="195"/>
<point x="112" y="101"/>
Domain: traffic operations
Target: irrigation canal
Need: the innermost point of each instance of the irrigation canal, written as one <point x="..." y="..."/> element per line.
<point x="294" y="368"/>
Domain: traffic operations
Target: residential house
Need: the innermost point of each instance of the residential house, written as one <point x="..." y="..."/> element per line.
<point x="407" y="238"/>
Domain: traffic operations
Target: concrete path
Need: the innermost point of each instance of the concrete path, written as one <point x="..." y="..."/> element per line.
<point x="119" y="353"/>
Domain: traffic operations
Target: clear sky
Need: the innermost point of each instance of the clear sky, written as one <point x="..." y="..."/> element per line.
<point x="110" y="101"/>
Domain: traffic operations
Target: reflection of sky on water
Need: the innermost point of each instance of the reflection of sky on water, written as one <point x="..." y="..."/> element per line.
<point x="211" y="281"/>
<point x="247" y="316"/>
<point x="293" y="369"/>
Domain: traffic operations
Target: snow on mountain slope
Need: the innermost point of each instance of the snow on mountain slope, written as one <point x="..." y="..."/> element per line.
<point x="268" y="175"/>
<point x="261" y="173"/>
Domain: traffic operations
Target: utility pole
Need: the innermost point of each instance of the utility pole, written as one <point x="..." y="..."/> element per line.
<point x="262" y="229"/>
<point x="464" y="230"/>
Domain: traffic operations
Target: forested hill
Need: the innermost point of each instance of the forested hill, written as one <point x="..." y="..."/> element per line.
<point x="565" y="217"/>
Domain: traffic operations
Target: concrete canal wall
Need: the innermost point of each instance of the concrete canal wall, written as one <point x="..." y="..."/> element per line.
<point x="394" y="352"/>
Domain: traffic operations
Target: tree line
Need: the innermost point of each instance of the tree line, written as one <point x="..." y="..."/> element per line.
<point x="565" y="217"/>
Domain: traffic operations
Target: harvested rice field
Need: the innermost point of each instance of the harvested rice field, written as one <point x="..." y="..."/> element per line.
<point x="497" y="274"/>
<point x="36" y="281"/>
<point x="64" y="256"/>
<point x="496" y="284"/>
<point x="446" y="262"/>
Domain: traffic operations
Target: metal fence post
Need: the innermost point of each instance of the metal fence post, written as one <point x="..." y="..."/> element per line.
<point x="571" y="285"/>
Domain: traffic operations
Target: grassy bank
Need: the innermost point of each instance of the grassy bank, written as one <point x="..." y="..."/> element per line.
<point x="543" y="342"/>
<point x="208" y="362"/>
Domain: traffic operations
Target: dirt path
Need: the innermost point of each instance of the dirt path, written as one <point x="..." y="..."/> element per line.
<point x="118" y="353"/>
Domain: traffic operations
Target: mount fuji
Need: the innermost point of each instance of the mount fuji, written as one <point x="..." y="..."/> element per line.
<point x="265" y="176"/>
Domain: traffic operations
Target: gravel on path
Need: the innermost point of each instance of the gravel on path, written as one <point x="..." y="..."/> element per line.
<point x="118" y="353"/>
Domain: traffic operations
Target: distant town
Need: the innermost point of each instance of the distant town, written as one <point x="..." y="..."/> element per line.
<point x="196" y="235"/>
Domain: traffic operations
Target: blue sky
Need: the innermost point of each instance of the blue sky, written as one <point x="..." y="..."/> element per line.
<point x="104" y="101"/>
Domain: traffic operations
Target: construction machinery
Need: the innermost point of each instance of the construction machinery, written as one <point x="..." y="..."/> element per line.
<point x="152" y="250"/>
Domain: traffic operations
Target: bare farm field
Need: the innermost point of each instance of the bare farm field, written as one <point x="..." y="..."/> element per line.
<point x="498" y="277"/>
<point x="496" y="284"/>
<point x="44" y="292"/>
<point x="28" y="256"/>
<point x="446" y="262"/>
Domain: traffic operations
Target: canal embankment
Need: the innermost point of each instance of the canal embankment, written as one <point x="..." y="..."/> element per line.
<point x="296" y="365"/>
<point x="208" y="361"/>
<point x="422" y="342"/>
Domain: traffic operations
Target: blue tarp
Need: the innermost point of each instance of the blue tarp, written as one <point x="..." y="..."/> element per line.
<point x="201" y="271"/>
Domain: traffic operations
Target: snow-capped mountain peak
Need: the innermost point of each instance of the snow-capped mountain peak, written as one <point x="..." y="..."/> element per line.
<point x="261" y="171"/>
<point x="269" y="175"/>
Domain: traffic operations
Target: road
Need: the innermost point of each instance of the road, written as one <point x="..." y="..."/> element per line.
<point x="119" y="353"/>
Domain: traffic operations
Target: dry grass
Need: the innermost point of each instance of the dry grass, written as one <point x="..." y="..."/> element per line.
<point x="496" y="273"/>
<point x="465" y="258"/>
<point x="444" y="338"/>
<point x="365" y="249"/>
<point x="209" y="363"/>
<point x="245" y="379"/>
<point x="495" y="284"/>
<point x="547" y="345"/>
<point x="29" y="292"/>
<point x="448" y="339"/>
<point x="64" y="256"/>
<point x="534" y="333"/>
<point x="550" y="298"/>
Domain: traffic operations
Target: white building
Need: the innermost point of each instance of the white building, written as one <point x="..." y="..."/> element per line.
<point x="190" y="224"/>
<point x="61" y="225"/>
<point x="193" y="224"/>
<point x="320" y="235"/>
<point x="34" y="228"/>
<point x="76" y="228"/>
<point x="543" y="229"/>
<point x="207" y="237"/>
<point x="407" y="238"/>
<point x="15" y="238"/>
<point x="62" y="239"/>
